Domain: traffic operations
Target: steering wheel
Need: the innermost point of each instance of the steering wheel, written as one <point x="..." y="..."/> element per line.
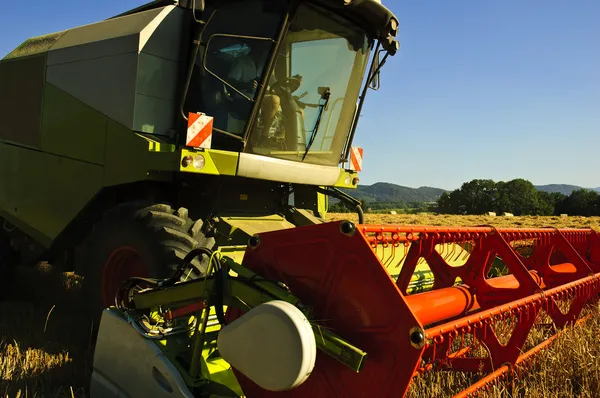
<point x="290" y="84"/>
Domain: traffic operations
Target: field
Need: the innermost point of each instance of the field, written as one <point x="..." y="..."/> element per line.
<point x="452" y="220"/>
<point x="46" y="348"/>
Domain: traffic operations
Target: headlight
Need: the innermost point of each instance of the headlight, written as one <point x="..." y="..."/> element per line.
<point x="186" y="161"/>
<point x="199" y="162"/>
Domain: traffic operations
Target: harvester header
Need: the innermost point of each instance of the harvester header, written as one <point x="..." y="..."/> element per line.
<point x="394" y="302"/>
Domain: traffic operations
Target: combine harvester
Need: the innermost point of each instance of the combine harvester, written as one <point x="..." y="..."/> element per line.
<point x="180" y="156"/>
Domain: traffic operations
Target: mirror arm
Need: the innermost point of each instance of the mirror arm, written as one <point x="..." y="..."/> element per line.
<point x="379" y="66"/>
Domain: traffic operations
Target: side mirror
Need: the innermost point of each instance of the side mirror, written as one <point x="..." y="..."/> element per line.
<point x="323" y="91"/>
<point x="198" y="5"/>
<point x="374" y="73"/>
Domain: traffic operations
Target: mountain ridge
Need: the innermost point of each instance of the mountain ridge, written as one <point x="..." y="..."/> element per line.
<point x="386" y="192"/>
<point x="565" y="189"/>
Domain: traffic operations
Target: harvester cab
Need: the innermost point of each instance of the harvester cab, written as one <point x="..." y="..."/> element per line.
<point x="282" y="80"/>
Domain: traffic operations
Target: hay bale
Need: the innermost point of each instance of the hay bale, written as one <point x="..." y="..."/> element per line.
<point x="491" y="214"/>
<point x="564" y="215"/>
<point x="508" y="215"/>
<point x="393" y="212"/>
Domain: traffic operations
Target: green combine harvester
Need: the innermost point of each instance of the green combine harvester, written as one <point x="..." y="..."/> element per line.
<point x="180" y="156"/>
<point x="126" y="143"/>
<point x="129" y="144"/>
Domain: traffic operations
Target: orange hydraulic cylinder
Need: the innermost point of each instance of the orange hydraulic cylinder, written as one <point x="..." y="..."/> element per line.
<point x="442" y="304"/>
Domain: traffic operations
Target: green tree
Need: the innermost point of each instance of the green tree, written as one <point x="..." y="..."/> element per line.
<point x="519" y="197"/>
<point x="449" y="203"/>
<point x="549" y="202"/>
<point x="338" y="207"/>
<point x="581" y="202"/>
<point x="479" y="196"/>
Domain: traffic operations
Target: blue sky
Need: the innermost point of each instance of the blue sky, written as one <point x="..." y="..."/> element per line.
<point x="479" y="89"/>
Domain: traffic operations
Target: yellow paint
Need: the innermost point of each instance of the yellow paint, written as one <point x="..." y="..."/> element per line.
<point x="156" y="146"/>
<point x="344" y="176"/>
<point x="216" y="162"/>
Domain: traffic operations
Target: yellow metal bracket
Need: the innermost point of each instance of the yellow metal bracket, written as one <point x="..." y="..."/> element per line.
<point x="208" y="161"/>
<point x="347" y="179"/>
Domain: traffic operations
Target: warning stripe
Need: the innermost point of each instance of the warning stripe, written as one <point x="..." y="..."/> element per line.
<point x="356" y="155"/>
<point x="199" y="131"/>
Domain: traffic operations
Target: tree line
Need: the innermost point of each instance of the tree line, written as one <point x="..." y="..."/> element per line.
<point x="519" y="197"/>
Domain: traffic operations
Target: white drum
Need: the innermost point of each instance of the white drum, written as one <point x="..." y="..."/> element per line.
<point x="273" y="345"/>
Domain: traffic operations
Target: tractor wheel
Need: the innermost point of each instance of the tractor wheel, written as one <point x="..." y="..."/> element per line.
<point x="138" y="240"/>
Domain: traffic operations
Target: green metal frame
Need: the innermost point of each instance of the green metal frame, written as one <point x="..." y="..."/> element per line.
<point x="241" y="288"/>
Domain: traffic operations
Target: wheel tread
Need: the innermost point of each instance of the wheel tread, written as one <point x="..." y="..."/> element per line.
<point x="170" y="230"/>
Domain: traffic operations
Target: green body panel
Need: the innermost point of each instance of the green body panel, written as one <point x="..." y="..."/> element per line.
<point x="220" y="372"/>
<point x="302" y="217"/>
<point x="72" y="129"/>
<point x="37" y="189"/>
<point x="74" y="97"/>
<point x="129" y="159"/>
<point x="35" y="45"/>
<point x="236" y="253"/>
<point x="237" y="230"/>
<point x="322" y="204"/>
<point x="83" y="151"/>
<point x="21" y="99"/>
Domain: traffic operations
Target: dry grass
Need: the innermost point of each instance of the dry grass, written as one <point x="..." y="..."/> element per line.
<point x="452" y="220"/>
<point x="570" y="367"/>
<point x="45" y="347"/>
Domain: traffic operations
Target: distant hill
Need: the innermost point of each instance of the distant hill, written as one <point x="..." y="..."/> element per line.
<point x="386" y="192"/>
<point x="565" y="189"/>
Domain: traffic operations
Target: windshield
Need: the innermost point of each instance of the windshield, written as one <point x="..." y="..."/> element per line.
<point x="310" y="103"/>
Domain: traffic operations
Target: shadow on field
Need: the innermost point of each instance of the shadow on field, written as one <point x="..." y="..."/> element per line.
<point x="45" y="336"/>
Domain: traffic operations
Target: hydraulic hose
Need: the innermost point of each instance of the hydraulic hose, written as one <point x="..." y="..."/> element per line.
<point x="348" y="200"/>
<point x="361" y="215"/>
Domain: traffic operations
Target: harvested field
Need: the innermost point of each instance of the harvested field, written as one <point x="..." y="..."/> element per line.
<point x="45" y="345"/>
<point x="464" y="221"/>
<point x="46" y="348"/>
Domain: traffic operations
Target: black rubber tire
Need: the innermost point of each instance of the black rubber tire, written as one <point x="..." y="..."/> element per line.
<point x="161" y="237"/>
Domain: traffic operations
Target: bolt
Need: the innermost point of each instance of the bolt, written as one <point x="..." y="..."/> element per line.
<point x="348" y="228"/>
<point x="417" y="337"/>
<point x="254" y="241"/>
